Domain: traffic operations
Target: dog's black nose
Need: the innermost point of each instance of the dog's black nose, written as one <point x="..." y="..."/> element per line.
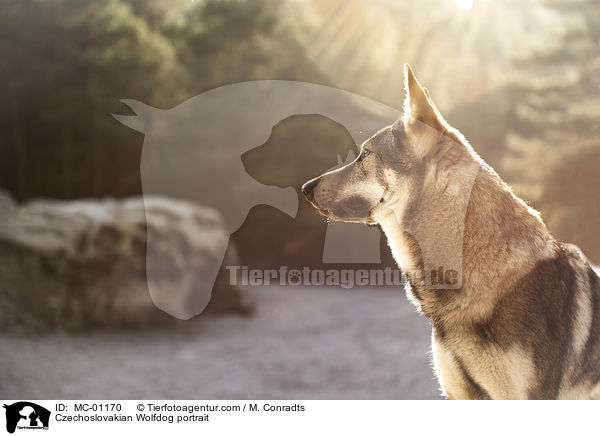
<point x="307" y="188"/>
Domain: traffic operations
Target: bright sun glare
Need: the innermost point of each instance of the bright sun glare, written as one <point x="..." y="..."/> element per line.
<point x="465" y="5"/>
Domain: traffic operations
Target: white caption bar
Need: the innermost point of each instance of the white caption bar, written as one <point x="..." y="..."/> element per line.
<point x="23" y="417"/>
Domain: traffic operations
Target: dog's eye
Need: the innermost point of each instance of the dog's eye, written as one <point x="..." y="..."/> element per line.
<point x="364" y="154"/>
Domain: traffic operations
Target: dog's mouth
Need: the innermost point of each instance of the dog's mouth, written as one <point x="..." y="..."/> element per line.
<point x="349" y="215"/>
<point x="353" y="210"/>
<point x="313" y="202"/>
<point x="322" y="211"/>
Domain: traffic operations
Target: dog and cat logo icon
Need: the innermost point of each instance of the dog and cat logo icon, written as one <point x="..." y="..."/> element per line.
<point x="26" y="415"/>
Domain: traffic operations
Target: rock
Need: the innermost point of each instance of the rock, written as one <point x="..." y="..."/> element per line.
<point x="82" y="264"/>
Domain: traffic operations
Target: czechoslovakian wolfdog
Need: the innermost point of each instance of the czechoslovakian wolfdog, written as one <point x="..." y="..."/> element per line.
<point x="519" y="317"/>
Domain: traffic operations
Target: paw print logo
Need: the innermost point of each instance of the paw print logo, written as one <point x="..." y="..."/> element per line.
<point x="293" y="277"/>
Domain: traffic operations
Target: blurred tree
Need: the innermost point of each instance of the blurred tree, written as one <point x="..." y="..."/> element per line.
<point x="569" y="199"/>
<point x="227" y="41"/>
<point x="167" y="17"/>
<point x="554" y="119"/>
<point x="555" y="91"/>
<point x="62" y="78"/>
<point x="67" y="63"/>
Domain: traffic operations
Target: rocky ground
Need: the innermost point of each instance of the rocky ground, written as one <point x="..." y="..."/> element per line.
<point x="302" y="343"/>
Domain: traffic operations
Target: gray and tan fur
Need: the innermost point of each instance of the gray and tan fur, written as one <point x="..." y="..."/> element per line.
<point x="525" y="320"/>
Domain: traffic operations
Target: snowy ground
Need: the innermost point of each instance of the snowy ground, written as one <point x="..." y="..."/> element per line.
<point x="302" y="343"/>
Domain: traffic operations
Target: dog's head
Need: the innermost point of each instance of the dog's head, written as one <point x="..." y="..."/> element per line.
<point x="418" y="154"/>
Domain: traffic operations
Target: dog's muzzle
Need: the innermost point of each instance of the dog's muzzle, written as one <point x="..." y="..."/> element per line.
<point x="308" y="187"/>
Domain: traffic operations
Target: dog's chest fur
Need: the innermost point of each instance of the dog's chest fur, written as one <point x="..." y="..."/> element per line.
<point x="468" y="369"/>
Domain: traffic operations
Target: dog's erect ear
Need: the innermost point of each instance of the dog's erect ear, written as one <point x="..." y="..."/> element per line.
<point x="418" y="106"/>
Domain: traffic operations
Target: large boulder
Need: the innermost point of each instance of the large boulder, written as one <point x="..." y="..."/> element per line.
<point x="82" y="264"/>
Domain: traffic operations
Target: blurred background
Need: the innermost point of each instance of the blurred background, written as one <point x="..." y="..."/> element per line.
<point x="520" y="79"/>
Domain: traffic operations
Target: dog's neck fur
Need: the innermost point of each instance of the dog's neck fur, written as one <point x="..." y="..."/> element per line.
<point x="501" y="235"/>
